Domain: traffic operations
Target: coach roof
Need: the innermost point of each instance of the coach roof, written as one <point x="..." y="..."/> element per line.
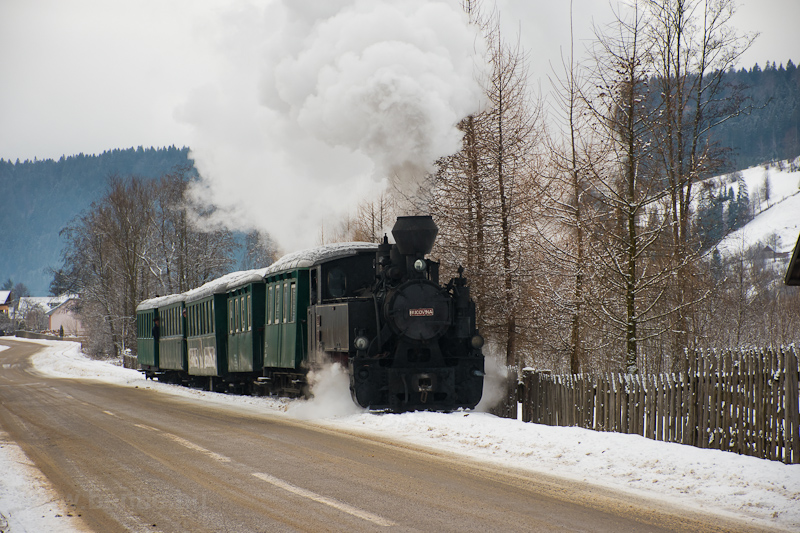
<point x="320" y="254"/>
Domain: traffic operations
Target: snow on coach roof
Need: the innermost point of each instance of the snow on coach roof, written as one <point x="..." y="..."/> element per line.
<point x="320" y="254"/>
<point x="225" y="283"/>
<point x="302" y="259"/>
<point x="160" y="301"/>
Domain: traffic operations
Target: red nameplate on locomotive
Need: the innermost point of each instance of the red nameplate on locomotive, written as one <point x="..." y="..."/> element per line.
<point x="427" y="311"/>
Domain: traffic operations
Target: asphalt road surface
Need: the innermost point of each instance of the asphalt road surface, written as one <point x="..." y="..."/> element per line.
<point x="133" y="459"/>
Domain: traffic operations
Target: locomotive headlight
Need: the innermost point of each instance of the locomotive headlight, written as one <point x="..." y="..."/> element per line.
<point x="477" y="342"/>
<point x="419" y="265"/>
<point x="361" y="343"/>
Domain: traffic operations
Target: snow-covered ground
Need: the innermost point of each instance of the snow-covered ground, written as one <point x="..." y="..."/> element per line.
<point x="765" y="493"/>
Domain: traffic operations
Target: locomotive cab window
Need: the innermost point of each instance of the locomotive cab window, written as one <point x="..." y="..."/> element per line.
<point x="314" y="288"/>
<point x="337" y="283"/>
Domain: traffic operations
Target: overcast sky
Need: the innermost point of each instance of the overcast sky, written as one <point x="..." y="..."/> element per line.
<point x="91" y="75"/>
<point x="340" y="98"/>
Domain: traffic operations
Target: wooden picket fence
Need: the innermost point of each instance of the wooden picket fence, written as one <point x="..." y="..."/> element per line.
<point x="745" y="402"/>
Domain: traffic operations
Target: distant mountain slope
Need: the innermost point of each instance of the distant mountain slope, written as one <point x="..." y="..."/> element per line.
<point x="39" y="198"/>
<point x="776" y="219"/>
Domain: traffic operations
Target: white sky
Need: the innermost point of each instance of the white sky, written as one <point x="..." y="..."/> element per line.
<point x="91" y="75"/>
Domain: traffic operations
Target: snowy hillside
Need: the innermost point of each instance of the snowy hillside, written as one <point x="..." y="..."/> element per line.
<point x="774" y="195"/>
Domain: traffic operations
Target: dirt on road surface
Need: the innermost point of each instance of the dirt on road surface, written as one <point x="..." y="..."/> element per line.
<point x="134" y="459"/>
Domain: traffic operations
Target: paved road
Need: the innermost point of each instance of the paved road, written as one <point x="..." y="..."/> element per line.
<point x="133" y="459"/>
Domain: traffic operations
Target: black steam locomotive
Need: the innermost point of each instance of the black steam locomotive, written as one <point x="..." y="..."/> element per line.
<point x="408" y="342"/>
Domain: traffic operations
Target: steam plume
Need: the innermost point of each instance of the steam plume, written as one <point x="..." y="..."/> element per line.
<point x="316" y="105"/>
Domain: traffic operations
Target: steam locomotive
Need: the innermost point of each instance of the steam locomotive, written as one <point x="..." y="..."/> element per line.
<point x="408" y="342"/>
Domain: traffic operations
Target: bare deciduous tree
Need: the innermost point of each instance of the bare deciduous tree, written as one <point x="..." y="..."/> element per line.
<point x="260" y="250"/>
<point x="135" y="242"/>
<point x="482" y="196"/>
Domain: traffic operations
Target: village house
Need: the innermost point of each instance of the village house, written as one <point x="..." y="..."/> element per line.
<point x="35" y="313"/>
<point x="5" y="296"/>
<point x="64" y="316"/>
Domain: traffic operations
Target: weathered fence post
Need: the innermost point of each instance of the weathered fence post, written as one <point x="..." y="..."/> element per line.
<point x="791" y="400"/>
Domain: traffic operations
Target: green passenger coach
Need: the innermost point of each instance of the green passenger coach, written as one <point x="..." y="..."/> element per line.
<point x="168" y="351"/>
<point x="245" y="316"/>
<point x="172" y="346"/>
<point x="284" y="328"/>
<point x="205" y="335"/>
<point x="146" y="346"/>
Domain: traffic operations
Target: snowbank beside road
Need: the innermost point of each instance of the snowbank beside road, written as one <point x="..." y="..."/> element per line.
<point x="767" y="493"/>
<point x="27" y="500"/>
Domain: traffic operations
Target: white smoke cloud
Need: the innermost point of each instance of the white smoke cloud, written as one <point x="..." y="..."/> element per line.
<point x="315" y="106"/>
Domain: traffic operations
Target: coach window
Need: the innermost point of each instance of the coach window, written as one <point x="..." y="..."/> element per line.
<point x="286" y="300"/>
<point x="270" y="304"/>
<point x="249" y="313"/>
<point x="277" y="303"/>
<point x="293" y="309"/>
<point x="239" y="314"/>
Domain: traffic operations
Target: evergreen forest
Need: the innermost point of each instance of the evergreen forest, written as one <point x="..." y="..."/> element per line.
<point x="768" y="128"/>
<point x="41" y="197"/>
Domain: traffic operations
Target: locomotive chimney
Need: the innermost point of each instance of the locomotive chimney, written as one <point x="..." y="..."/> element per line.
<point x="415" y="235"/>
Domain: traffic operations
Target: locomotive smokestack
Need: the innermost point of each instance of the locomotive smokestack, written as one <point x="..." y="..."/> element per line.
<point x="415" y="235"/>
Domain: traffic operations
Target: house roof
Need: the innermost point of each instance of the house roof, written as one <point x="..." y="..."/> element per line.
<point x="69" y="298"/>
<point x="4" y="295"/>
<point x="793" y="272"/>
<point x="45" y="303"/>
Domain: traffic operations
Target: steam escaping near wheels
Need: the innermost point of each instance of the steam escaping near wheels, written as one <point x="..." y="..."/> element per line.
<point x="329" y="388"/>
